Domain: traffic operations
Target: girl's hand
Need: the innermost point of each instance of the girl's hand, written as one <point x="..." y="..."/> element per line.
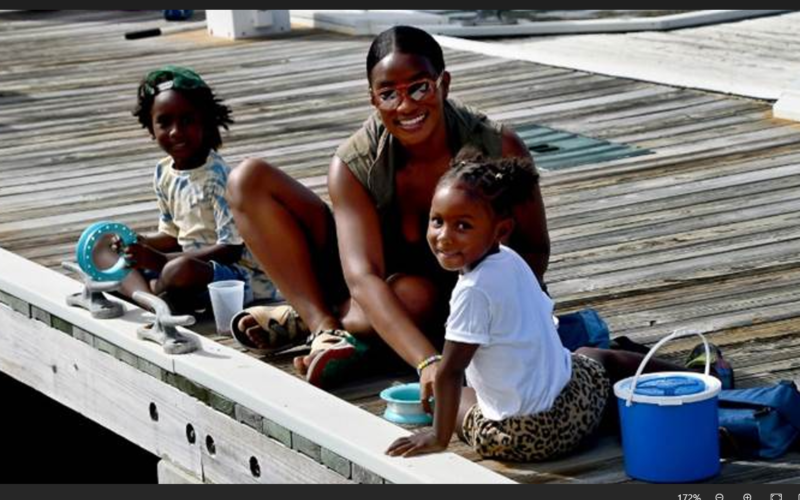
<point x="426" y="381"/>
<point x="419" y="444"/>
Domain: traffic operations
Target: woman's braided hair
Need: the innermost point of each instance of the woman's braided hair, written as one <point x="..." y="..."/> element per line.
<point x="503" y="183"/>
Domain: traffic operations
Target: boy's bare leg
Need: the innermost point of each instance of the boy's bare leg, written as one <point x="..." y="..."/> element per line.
<point x="182" y="283"/>
<point x="184" y="274"/>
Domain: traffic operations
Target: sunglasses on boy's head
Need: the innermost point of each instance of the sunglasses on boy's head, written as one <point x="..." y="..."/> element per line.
<point x="389" y="98"/>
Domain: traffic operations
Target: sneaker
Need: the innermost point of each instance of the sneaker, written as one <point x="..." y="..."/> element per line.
<point x="720" y="367"/>
<point x="336" y="356"/>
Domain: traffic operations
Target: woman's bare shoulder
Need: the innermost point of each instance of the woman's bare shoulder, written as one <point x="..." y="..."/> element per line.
<point x="512" y="144"/>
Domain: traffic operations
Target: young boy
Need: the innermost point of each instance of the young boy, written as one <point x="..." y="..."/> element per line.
<point x="197" y="242"/>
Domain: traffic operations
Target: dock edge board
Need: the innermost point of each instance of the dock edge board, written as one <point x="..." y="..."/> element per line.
<point x="218" y="413"/>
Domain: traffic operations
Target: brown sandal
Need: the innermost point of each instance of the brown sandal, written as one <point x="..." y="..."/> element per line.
<point x="279" y="328"/>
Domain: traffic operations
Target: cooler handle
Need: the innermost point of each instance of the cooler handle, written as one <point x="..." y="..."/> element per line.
<point x="674" y="335"/>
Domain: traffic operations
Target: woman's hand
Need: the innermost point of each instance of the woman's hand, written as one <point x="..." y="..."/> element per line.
<point x="419" y="444"/>
<point x="427" y="379"/>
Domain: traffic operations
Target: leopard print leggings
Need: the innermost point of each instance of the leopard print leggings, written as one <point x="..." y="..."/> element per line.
<point x="575" y="414"/>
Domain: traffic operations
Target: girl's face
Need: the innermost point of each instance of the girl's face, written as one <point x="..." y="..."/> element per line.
<point x="463" y="229"/>
<point x="178" y="129"/>
<point x="409" y="95"/>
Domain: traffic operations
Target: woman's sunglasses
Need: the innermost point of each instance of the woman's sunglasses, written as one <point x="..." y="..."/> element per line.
<point x="389" y="98"/>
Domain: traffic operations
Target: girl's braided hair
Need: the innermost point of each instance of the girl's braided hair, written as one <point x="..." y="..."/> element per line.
<point x="503" y="183"/>
<point x="190" y="85"/>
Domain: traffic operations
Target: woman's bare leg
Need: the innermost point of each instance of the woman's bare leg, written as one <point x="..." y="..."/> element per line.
<point x="288" y="228"/>
<point x="421" y="298"/>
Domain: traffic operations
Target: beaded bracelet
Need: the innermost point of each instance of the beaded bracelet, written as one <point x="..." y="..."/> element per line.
<point x="428" y="362"/>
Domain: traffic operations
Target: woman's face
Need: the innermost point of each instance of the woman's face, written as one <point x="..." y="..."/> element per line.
<point x="409" y="95"/>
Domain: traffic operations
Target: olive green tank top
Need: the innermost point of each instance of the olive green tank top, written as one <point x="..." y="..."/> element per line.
<point x="373" y="156"/>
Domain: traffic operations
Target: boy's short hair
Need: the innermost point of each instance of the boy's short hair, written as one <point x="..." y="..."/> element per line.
<point x="193" y="87"/>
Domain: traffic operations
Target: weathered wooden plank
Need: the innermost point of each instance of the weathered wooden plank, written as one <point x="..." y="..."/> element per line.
<point x="650" y="250"/>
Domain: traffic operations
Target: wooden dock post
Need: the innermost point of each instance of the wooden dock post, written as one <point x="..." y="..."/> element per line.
<point x="788" y="105"/>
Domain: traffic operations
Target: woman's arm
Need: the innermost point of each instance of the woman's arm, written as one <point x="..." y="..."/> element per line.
<point x="362" y="254"/>
<point x="530" y="238"/>
<point x="450" y="376"/>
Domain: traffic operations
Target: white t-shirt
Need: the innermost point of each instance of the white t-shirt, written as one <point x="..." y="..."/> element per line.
<point x="521" y="366"/>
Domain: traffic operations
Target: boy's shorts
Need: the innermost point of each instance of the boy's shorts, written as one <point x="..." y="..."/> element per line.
<point x="222" y="272"/>
<point x="575" y="414"/>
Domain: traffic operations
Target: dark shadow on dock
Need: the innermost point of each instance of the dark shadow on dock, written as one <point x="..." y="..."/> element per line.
<point x="45" y="442"/>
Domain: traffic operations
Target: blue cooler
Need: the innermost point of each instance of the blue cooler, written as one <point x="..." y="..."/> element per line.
<point x="669" y="423"/>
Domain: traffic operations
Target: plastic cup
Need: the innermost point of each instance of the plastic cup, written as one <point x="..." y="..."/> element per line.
<point x="227" y="299"/>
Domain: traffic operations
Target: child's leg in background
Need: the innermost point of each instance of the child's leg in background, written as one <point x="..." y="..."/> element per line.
<point x="619" y="365"/>
<point x="623" y="364"/>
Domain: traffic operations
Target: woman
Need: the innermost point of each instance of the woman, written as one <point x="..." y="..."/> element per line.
<point x="366" y="270"/>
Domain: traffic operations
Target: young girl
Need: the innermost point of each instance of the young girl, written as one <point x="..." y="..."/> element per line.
<point x="197" y="242"/>
<point x="528" y="398"/>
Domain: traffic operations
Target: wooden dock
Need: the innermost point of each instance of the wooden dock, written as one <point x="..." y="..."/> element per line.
<point x="701" y="234"/>
<point x="753" y="58"/>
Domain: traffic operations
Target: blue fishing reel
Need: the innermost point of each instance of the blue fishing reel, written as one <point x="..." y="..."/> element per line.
<point x="86" y="245"/>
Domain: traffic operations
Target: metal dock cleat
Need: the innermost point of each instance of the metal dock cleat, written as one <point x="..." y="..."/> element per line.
<point x="92" y="298"/>
<point x="163" y="330"/>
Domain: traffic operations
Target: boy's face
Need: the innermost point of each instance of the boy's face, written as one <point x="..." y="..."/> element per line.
<point x="178" y="129"/>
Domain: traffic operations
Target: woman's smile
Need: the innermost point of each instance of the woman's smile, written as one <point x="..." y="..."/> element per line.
<point x="414" y="123"/>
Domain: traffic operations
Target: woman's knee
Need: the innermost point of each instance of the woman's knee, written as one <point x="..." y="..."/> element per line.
<point x="418" y="295"/>
<point x="253" y="177"/>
